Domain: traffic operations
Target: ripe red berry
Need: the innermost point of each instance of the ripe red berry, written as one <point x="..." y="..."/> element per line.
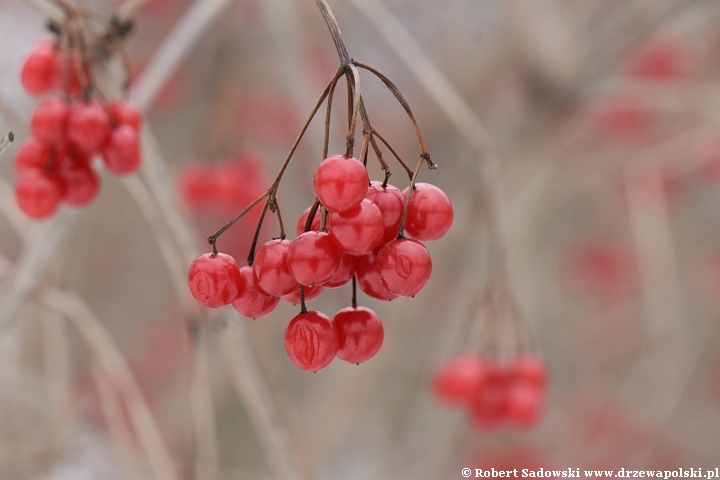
<point x="489" y="407"/>
<point x="122" y="151"/>
<point x="524" y="404"/>
<point x="457" y="382"/>
<point x="310" y="293"/>
<point x="38" y="194"/>
<point x="430" y="213"/>
<point x="345" y="271"/>
<point x="253" y="303"/>
<point x="303" y="218"/>
<point x="360" y="334"/>
<point x="358" y="230"/>
<point x="530" y="369"/>
<point x="215" y="281"/>
<point x="196" y="186"/>
<point x="48" y="122"/>
<point x="340" y="183"/>
<point x="368" y="279"/>
<point x="313" y="258"/>
<point x="270" y="271"/>
<point x="88" y="125"/>
<point x="66" y="69"/>
<point x="32" y="155"/>
<point x="390" y="202"/>
<point x="404" y="266"/>
<point x="39" y="69"/>
<point x="311" y="341"/>
<point x="125" y="113"/>
<point x="82" y="183"/>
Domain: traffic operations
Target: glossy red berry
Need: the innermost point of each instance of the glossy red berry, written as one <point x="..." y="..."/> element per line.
<point x="340" y="183"/>
<point x="404" y="266"/>
<point x="38" y="194"/>
<point x="215" y="281"/>
<point x="48" y="122"/>
<point x="345" y="271"/>
<point x="360" y="334"/>
<point x="88" y="125"/>
<point x="368" y="279"/>
<point x="32" y="155"/>
<point x="430" y="213"/>
<point x="390" y="201"/>
<point x="122" y="151"/>
<point x="270" y="270"/>
<point x="358" y="230"/>
<point x="39" y="69"/>
<point x="310" y="293"/>
<point x="81" y="181"/>
<point x="253" y="303"/>
<point x="125" y="113"/>
<point x="313" y="258"/>
<point x="457" y="382"/>
<point x="489" y="407"/>
<point x="311" y="341"/>
<point x="303" y="218"/>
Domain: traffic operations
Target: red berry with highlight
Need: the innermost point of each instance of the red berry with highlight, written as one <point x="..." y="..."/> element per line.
<point x="48" y="122"/>
<point x="81" y="181"/>
<point x="390" y="201"/>
<point x="303" y="218"/>
<point x="340" y="183"/>
<point x="489" y="407"/>
<point x="430" y="213"/>
<point x="253" y="303"/>
<point x="270" y="270"/>
<point x="313" y="258"/>
<point x="125" y="113"/>
<point x="39" y="69"/>
<point x="311" y="341"/>
<point x="358" y="230"/>
<point x="88" y="125"/>
<point x="38" y="194"/>
<point x="360" y="334"/>
<point x="122" y="151"/>
<point x="215" y="281"/>
<point x="457" y="382"/>
<point x="524" y="404"/>
<point x="345" y="271"/>
<point x="32" y="155"/>
<point x="404" y="266"/>
<point x="368" y="279"/>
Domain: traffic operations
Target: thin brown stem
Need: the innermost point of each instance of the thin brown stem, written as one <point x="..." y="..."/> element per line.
<point x="213" y="238"/>
<point x="354" y="292"/>
<point x="303" y="308"/>
<point x="326" y="139"/>
<point x="392" y="150"/>
<point x="334" y="28"/>
<point x="276" y="210"/>
<point x="379" y="155"/>
<point x="364" y="148"/>
<point x="251" y="255"/>
<point x="411" y="188"/>
<point x="311" y="215"/>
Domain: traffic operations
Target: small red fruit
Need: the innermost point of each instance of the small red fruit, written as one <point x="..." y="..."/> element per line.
<point x="88" y="125"/>
<point x="311" y="341"/>
<point x="38" y="194"/>
<point x="303" y="218"/>
<point x="457" y="382"/>
<point x="122" y="151"/>
<point x="253" y="303"/>
<point x="270" y="270"/>
<point x="404" y="266"/>
<point x="125" y="113"/>
<point x="341" y="183"/>
<point x="345" y="271"/>
<point x="358" y="230"/>
<point x="313" y="258"/>
<point x="48" y="121"/>
<point x="430" y="213"/>
<point x="360" y="334"/>
<point x="368" y="279"/>
<point x="38" y="70"/>
<point x="215" y="281"/>
<point x="310" y="293"/>
<point x="32" y="155"/>
<point x="390" y="202"/>
<point x="82" y="183"/>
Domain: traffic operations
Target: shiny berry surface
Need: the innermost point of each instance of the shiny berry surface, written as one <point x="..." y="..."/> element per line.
<point x="39" y="69"/>
<point x="360" y="334"/>
<point x="430" y="213"/>
<point x="368" y="279"/>
<point x="340" y="183"/>
<point x="456" y="382"/>
<point x="32" y="155"/>
<point x="303" y="218"/>
<point x="345" y="271"/>
<point x="48" y="122"/>
<point x="81" y="181"/>
<point x="88" y="125"/>
<point x="313" y="258"/>
<point x="253" y="302"/>
<point x="310" y="293"/>
<point x="125" y="113"/>
<point x="270" y="271"/>
<point x="38" y="194"/>
<point x="358" y="230"/>
<point x="215" y="281"/>
<point x="404" y="266"/>
<point x="121" y="153"/>
<point x="311" y="341"/>
<point x="390" y="201"/>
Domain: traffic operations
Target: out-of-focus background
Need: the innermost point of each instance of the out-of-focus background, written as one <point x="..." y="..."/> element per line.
<point x="579" y="144"/>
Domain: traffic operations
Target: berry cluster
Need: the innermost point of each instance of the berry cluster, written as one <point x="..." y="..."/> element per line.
<point x="55" y="164"/>
<point x="494" y="393"/>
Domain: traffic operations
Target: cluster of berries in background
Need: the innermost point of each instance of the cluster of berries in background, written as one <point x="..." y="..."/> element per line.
<point x="68" y="129"/>
<point x="355" y="234"/>
<point x="494" y="393"/>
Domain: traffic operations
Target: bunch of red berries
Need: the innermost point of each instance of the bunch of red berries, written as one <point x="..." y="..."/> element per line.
<point x="494" y="393"/>
<point x="55" y="164"/>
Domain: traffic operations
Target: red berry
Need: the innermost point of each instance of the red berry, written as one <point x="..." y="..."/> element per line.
<point x="390" y="201"/>
<point x="32" y="155"/>
<point x="358" y="230"/>
<point x="404" y="266"/>
<point x="48" y="121"/>
<point x="82" y="183"/>
<point x="430" y="213"/>
<point x="340" y="183"/>
<point x="253" y="303"/>
<point x="360" y="334"/>
<point x="215" y="281"/>
<point x="38" y="71"/>
<point x="303" y="218"/>
<point x="38" y="194"/>
<point x="125" y="113"/>
<point x="458" y="381"/>
<point x="122" y="151"/>
<point x="270" y="271"/>
<point x="88" y="125"/>
<point x="368" y="279"/>
<point x="196" y="185"/>
<point x="489" y="407"/>
<point x="310" y="293"/>
<point x="313" y="258"/>
<point x="311" y="341"/>
<point x="524" y="404"/>
<point x="530" y="369"/>
<point x="345" y="271"/>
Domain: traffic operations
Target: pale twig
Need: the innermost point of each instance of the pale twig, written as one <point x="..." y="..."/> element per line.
<point x="50" y="11"/>
<point x="128" y="10"/>
<point x="6" y="141"/>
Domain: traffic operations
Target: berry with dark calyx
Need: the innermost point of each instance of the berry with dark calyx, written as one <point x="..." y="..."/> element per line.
<point x="215" y="281"/>
<point x="358" y="230"/>
<point x="368" y="279"/>
<point x="345" y="271"/>
<point x="313" y="258"/>
<point x="270" y="270"/>
<point x="311" y="342"/>
<point x="303" y="218"/>
<point x="125" y="113"/>
<point x="88" y="125"/>
<point x="39" y="69"/>
<point x="82" y="183"/>
<point x="340" y="183"/>
<point x="360" y="334"/>
<point x="390" y="202"/>
<point x="430" y="213"/>
<point x="253" y="303"/>
<point x="48" y="122"/>
<point x="121" y="153"/>
<point x="38" y="194"/>
<point x="32" y="155"/>
<point x="404" y="266"/>
<point x="457" y="382"/>
<point x="310" y="293"/>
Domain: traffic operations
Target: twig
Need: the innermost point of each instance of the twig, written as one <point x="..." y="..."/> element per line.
<point x="6" y="141"/>
<point x="50" y="11"/>
<point x="128" y="10"/>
